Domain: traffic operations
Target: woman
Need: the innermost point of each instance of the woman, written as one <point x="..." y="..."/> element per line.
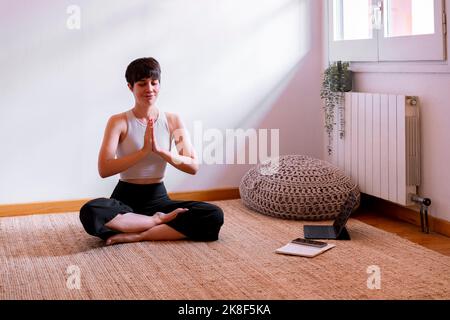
<point x="137" y="144"/>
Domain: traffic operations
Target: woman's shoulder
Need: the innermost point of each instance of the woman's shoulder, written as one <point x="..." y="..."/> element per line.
<point x="173" y="119"/>
<point x="119" y="117"/>
<point x="118" y="120"/>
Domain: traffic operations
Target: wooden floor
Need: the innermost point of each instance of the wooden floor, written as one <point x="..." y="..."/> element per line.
<point x="405" y="230"/>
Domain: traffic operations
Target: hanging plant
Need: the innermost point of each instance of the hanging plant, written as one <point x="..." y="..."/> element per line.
<point x="337" y="79"/>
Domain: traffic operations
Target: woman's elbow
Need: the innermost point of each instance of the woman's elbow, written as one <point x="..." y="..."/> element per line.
<point x="103" y="172"/>
<point x="192" y="166"/>
<point x="193" y="169"/>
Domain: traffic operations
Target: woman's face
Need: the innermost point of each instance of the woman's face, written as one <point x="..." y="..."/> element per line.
<point x="146" y="90"/>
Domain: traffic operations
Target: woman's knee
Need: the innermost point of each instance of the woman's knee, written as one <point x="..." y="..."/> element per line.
<point x="214" y="214"/>
<point x="97" y="212"/>
<point x="92" y="206"/>
<point x="88" y="212"/>
<point x="202" y="222"/>
<point x="212" y="223"/>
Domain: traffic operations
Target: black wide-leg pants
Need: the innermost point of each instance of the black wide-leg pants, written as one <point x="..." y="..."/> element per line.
<point x="201" y="222"/>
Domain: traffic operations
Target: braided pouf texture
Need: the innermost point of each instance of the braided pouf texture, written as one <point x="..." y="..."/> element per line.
<point x="297" y="187"/>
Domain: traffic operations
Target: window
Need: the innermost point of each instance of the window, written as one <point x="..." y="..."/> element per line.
<point x="388" y="30"/>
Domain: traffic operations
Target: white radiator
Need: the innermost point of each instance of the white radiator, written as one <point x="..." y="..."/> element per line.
<point x="381" y="145"/>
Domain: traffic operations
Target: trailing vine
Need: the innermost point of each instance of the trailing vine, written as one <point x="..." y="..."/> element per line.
<point x="337" y="79"/>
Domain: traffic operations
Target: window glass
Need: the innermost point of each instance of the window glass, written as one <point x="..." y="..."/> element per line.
<point x="352" y="19"/>
<point x="408" y="17"/>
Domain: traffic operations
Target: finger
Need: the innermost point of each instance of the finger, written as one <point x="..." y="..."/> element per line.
<point x="148" y="134"/>
<point x="152" y="131"/>
<point x="148" y="129"/>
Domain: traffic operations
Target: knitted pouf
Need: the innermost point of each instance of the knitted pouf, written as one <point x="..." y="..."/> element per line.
<point x="296" y="187"/>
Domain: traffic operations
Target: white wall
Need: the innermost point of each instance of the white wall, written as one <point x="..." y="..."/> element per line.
<point x="431" y="83"/>
<point x="229" y="64"/>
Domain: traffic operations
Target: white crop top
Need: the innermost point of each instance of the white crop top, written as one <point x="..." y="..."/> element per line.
<point x="152" y="166"/>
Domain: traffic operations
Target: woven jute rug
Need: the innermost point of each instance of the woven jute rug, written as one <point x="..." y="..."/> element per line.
<point x="51" y="257"/>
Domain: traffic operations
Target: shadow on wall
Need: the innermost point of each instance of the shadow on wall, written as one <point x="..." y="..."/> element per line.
<point x="289" y="104"/>
<point x="227" y="69"/>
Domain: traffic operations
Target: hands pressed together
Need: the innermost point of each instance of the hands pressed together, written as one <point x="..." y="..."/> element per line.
<point x="183" y="162"/>
<point x="150" y="143"/>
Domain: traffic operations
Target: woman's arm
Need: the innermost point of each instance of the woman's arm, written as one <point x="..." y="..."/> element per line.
<point x="108" y="165"/>
<point x="186" y="159"/>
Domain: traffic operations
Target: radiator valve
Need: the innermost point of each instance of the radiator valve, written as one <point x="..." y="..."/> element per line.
<point x="424" y="204"/>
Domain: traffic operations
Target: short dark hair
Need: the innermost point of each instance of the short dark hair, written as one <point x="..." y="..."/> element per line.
<point x="143" y="68"/>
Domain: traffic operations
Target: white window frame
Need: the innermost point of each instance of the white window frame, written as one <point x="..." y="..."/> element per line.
<point x="350" y="50"/>
<point x="338" y="50"/>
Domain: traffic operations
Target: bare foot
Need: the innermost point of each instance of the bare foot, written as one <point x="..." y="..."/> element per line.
<point x="160" y="217"/>
<point x="123" y="237"/>
<point x="157" y="219"/>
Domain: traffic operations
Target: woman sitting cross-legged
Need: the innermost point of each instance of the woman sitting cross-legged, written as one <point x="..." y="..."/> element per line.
<point x="137" y="144"/>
